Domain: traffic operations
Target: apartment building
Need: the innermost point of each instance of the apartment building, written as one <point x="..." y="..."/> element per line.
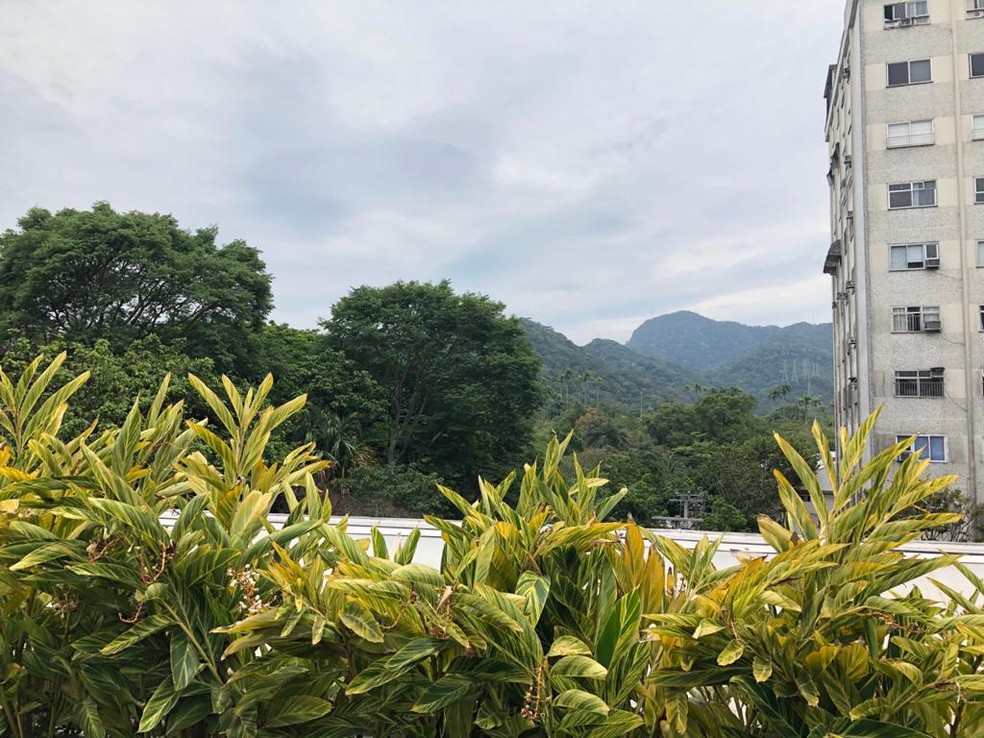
<point x="905" y="131"/>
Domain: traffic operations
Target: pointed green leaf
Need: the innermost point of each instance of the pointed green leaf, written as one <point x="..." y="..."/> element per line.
<point x="158" y="706"/>
<point x="535" y="589"/>
<point x="361" y="622"/>
<point x="707" y="627"/>
<point x="761" y="669"/>
<point x="578" y="666"/>
<point x="731" y="653"/>
<point x="146" y="627"/>
<point x="568" y="646"/>
<point x="576" y="699"/>
<point x="295" y="710"/>
<point x="445" y="691"/>
<point x="184" y="661"/>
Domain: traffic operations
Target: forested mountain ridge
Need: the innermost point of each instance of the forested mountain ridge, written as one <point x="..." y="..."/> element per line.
<point x="602" y="373"/>
<point x="670" y="355"/>
<point x="694" y="341"/>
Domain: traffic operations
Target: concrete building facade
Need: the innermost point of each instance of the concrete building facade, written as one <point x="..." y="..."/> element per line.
<point x="905" y="131"/>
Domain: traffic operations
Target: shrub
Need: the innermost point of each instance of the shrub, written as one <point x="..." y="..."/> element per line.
<point x="542" y="619"/>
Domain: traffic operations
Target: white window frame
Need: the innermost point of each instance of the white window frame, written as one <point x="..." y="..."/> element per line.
<point x="916" y="255"/>
<point x="976" y="9"/>
<point x="903" y="137"/>
<point x="913" y="318"/>
<point x="977" y="125"/>
<point x="979" y="190"/>
<point x="919" y="384"/>
<point x="909" y="63"/>
<point x="980" y="254"/>
<point x="912" y="13"/>
<point x="927" y="444"/>
<point x="912" y="188"/>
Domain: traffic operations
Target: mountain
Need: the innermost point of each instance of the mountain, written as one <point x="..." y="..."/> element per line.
<point x="668" y="355"/>
<point x="758" y="359"/>
<point x="694" y="341"/>
<point x="603" y="372"/>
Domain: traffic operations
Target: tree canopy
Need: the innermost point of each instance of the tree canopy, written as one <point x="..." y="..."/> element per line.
<point x="460" y="378"/>
<point x="99" y="274"/>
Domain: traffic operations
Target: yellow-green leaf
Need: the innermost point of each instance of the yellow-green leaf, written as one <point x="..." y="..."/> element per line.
<point x="731" y="653"/>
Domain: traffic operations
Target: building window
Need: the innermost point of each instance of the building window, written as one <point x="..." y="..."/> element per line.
<point x="979" y="190"/>
<point x="910" y="72"/>
<point x="981" y="313"/>
<point x="977" y="127"/>
<point x="916" y="319"/>
<point x="925" y="447"/>
<point x="907" y="256"/>
<point x="976" y="9"/>
<point x="980" y="253"/>
<point x="912" y="133"/>
<point x="907" y="13"/>
<point x="912" y="195"/>
<point x="919" y="383"/>
<point x="977" y="65"/>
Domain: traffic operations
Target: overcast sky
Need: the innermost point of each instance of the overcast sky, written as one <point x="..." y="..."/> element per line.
<point x="590" y="164"/>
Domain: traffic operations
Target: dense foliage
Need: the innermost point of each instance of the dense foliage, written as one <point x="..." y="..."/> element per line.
<point x="98" y="274"/>
<point x="542" y="619"/>
<point x="709" y="460"/>
<point x="459" y="377"/>
<point x="132" y="296"/>
<point x="407" y="385"/>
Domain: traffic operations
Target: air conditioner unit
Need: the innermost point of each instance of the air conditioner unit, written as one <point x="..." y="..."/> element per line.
<point x="850" y="285"/>
<point x="848" y="160"/>
<point x="932" y="326"/>
<point x="906" y="21"/>
<point x="850" y="215"/>
<point x="933" y="263"/>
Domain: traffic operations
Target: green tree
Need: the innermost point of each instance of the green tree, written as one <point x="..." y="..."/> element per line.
<point x="99" y="274"/>
<point x="339" y="394"/>
<point x="116" y="377"/>
<point x="460" y="378"/>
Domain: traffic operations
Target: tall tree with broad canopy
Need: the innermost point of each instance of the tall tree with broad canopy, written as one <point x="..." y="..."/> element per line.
<point x="460" y="377"/>
<point x="99" y="274"/>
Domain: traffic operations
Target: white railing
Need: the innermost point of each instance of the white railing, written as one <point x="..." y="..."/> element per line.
<point x="734" y="546"/>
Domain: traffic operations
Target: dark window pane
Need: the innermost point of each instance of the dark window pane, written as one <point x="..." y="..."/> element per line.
<point x="925" y="197"/>
<point x="898" y="74"/>
<point x="977" y="65"/>
<point x="900" y="199"/>
<point x="920" y="71"/>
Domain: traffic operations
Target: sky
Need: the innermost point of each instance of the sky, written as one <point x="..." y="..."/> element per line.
<point x="589" y="164"/>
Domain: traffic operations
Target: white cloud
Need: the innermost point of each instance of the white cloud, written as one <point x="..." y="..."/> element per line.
<point x="586" y="164"/>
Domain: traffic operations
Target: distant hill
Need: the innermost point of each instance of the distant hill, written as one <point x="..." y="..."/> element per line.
<point x="603" y="372"/>
<point x="755" y="358"/>
<point x="694" y="341"/>
<point x="668" y="355"/>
